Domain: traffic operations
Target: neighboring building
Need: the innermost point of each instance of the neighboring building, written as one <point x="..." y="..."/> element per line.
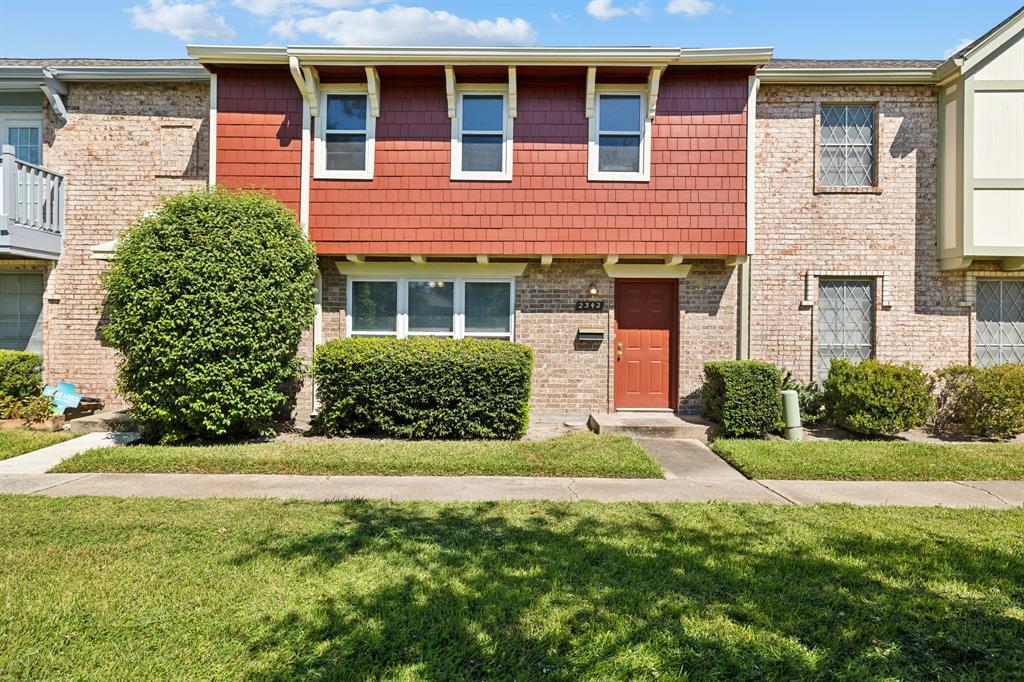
<point x="611" y="207"/>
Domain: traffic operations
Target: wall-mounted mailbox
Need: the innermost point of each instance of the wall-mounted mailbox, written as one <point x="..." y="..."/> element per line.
<point x="591" y="334"/>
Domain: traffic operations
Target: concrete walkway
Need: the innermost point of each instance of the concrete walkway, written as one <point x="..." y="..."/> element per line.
<point x="692" y="474"/>
<point x="42" y="460"/>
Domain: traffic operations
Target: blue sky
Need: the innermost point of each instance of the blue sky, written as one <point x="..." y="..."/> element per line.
<point x="920" y="29"/>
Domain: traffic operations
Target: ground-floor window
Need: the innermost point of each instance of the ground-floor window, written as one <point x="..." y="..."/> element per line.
<point x="457" y="307"/>
<point x="846" y="321"/>
<point x="21" y="307"/>
<point x="999" y="336"/>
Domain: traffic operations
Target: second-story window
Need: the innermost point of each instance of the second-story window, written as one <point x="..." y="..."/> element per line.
<point x="620" y="137"/>
<point x="345" y="134"/>
<point x="482" y="136"/>
<point x="846" y="149"/>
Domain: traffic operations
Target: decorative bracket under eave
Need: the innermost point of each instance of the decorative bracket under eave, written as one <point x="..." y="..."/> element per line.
<point x="373" y="90"/>
<point x="513" y="99"/>
<point x="449" y="87"/>
<point x="956" y="263"/>
<point x="54" y="90"/>
<point x="308" y="81"/>
<point x="591" y="87"/>
<point x="653" y="85"/>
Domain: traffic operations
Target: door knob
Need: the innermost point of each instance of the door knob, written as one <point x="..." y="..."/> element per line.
<point x="618" y="355"/>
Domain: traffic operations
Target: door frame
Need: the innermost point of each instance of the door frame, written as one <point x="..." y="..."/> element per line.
<point x="673" y="336"/>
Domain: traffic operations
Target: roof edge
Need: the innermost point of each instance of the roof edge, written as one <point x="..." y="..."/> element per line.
<point x="850" y="75"/>
<point x="597" y="56"/>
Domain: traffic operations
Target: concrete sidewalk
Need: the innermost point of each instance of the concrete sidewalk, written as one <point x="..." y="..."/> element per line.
<point x="693" y="473"/>
<point x="986" y="494"/>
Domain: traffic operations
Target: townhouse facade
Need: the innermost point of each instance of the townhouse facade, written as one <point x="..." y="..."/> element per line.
<point x="630" y="213"/>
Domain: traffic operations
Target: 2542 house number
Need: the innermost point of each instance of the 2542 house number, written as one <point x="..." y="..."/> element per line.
<point x="590" y="305"/>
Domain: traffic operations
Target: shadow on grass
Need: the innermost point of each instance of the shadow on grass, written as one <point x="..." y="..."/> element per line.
<point x="716" y="592"/>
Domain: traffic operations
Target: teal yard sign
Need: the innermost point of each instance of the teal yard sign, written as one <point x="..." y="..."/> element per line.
<point x="63" y="396"/>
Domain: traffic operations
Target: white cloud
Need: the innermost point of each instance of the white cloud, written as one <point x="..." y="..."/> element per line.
<point x="276" y="8"/>
<point x="605" y="10"/>
<point x="399" y="25"/>
<point x="183" y="20"/>
<point x="691" y="8"/>
<point x="964" y="42"/>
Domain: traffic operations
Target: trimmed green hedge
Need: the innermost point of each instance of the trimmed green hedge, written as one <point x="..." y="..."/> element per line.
<point x="986" y="402"/>
<point x="743" y="396"/>
<point x="423" y="388"/>
<point x="21" y="374"/>
<point x="207" y="301"/>
<point x="876" y="398"/>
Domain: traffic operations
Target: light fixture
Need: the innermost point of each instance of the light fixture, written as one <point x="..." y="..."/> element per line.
<point x="592" y="289"/>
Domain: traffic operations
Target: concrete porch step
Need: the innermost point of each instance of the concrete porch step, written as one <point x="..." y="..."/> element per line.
<point x="114" y="420"/>
<point x="652" y="425"/>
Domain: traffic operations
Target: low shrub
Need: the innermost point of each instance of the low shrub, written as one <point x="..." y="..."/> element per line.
<point x="423" y="388"/>
<point x="876" y="398"/>
<point x="810" y="395"/>
<point x="207" y="301"/>
<point x="743" y="396"/>
<point x="985" y="402"/>
<point x="21" y="374"/>
<point x="950" y="386"/>
<point x="32" y="410"/>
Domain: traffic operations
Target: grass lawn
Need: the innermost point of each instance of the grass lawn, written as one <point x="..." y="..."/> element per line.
<point x="20" y="441"/>
<point x="249" y="589"/>
<point x="846" y="460"/>
<point x="576" y="454"/>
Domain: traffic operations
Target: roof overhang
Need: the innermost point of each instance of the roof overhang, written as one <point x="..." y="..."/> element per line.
<point x="453" y="56"/>
<point x="30" y="77"/>
<point x="853" y="76"/>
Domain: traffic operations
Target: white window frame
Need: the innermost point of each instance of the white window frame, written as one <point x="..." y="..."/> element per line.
<point x="505" y="174"/>
<point x="21" y="119"/>
<point x="458" y="307"/>
<point x="594" y="171"/>
<point x="320" y="170"/>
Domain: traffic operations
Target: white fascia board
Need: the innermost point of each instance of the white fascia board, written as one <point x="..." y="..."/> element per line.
<point x="867" y="76"/>
<point x="131" y="73"/>
<point x="237" y="54"/>
<point x="602" y="56"/>
<point x="738" y="56"/>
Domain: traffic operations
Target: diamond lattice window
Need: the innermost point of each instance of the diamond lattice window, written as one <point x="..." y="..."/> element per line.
<point x="847" y="149"/>
<point x="846" y="321"/>
<point x="1000" y="328"/>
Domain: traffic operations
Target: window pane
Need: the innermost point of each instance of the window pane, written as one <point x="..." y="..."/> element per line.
<point x="487" y="307"/>
<point x="21" y="305"/>
<point x="374" y="306"/>
<point x="999" y="332"/>
<point x="482" y="152"/>
<point x="431" y="306"/>
<point x="346" y="112"/>
<point x="483" y="112"/>
<point x="845" y="321"/>
<point x="25" y="141"/>
<point x="620" y="113"/>
<point x="619" y="153"/>
<point x="847" y="155"/>
<point x="346" y="152"/>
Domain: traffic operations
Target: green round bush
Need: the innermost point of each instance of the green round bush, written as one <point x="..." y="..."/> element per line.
<point x="207" y="299"/>
<point x="21" y="374"/>
<point x="743" y="396"/>
<point x="876" y="398"/>
<point x="985" y="402"/>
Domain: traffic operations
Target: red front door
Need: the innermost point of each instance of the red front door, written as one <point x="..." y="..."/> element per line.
<point x="645" y="316"/>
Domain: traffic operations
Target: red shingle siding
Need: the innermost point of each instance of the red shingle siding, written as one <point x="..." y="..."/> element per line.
<point x="694" y="203"/>
<point x="259" y="132"/>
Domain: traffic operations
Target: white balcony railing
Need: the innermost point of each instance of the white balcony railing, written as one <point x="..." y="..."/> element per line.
<point x="31" y="207"/>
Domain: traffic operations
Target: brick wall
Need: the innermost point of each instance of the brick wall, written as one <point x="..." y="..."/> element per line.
<point x="891" y="232"/>
<point x="124" y="147"/>
<point x="577" y="378"/>
<point x="694" y="204"/>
